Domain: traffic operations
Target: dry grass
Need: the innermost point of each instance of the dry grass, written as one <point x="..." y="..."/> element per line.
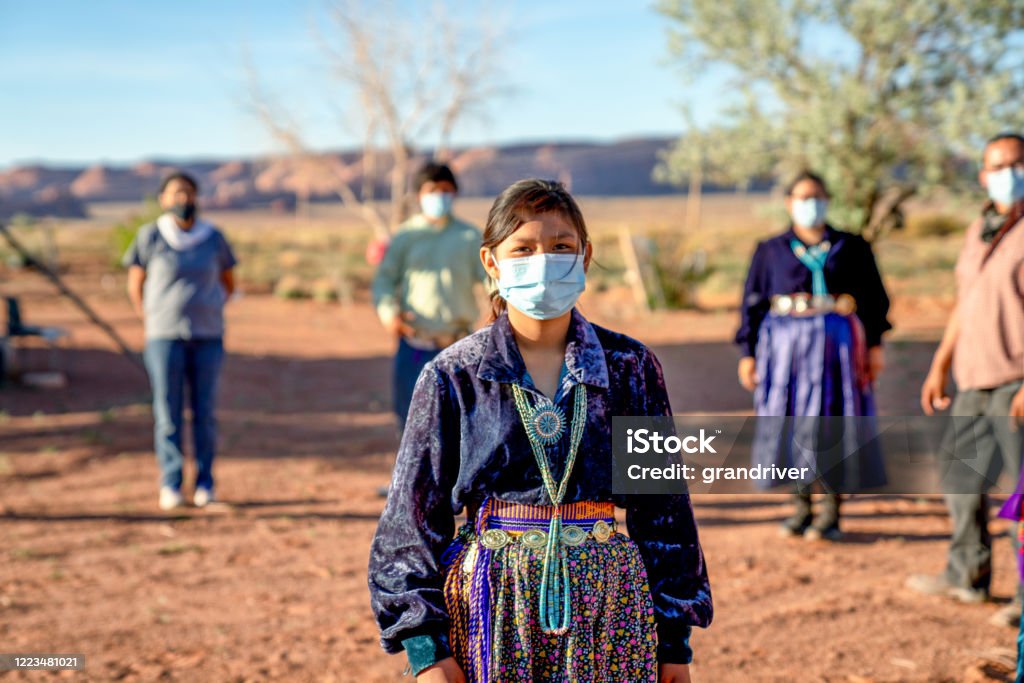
<point x="325" y="247"/>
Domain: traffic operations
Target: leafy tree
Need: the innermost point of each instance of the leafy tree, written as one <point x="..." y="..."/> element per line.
<point x="885" y="99"/>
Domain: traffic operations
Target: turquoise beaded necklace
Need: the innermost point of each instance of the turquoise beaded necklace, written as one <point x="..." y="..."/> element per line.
<point x="555" y="599"/>
<point x="814" y="258"/>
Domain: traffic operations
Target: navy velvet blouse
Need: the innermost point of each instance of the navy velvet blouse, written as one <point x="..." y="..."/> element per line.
<point x="464" y="442"/>
<point x="849" y="269"/>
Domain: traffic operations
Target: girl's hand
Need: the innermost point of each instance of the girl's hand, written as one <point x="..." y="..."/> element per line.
<point x="876" y="362"/>
<point x="447" y="671"/>
<point x="674" y="673"/>
<point x="747" y="372"/>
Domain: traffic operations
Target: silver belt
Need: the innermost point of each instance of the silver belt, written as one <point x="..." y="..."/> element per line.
<point x="806" y="305"/>
<point x="601" y="532"/>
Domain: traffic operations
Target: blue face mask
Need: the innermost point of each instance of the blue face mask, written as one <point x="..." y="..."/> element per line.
<point x="810" y="212"/>
<point x="544" y="286"/>
<point x="1005" y="186"/>
<point x="437" y="204"/>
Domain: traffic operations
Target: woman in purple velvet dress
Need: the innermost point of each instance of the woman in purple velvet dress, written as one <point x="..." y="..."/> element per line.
<point x="513" y="425"/>
<point x="813" y="314"/>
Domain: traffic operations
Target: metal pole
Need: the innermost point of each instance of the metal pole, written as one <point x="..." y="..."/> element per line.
<point x="126" y="350"/>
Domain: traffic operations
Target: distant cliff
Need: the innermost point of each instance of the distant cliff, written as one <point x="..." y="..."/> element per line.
<point x="617" y="168"/>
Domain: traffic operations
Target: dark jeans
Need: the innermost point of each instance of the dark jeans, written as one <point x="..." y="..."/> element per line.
<point x="173" y="363"/>
<point x="988" y="437"/>
<point x="409" y="362"/>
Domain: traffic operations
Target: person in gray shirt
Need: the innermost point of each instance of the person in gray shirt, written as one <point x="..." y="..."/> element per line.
<point x="179" y="278"/>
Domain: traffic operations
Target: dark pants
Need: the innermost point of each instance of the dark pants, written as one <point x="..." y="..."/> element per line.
<point x="983" y="438"/>
<point x="409" y="362"/>
<point x="173" y="363"/>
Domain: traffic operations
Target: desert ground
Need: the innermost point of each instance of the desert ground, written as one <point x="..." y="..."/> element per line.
<point x="271" y="585"/>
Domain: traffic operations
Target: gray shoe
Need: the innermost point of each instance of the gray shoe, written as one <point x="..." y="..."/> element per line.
<point x="828" y="533"/>
<point x="795" y="525"/>
<point x="802" y="517"/>
<point x="1008" y="616"/>
<point x="929" y="584"/>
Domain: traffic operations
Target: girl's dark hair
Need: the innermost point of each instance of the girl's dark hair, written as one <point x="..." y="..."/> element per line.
<point x="806" y="175"/>
<point x="183" y="177"/>
<point x="522" y="202"/>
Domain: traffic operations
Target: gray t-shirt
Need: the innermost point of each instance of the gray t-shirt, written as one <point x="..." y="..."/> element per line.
<point x="183" y="297"/>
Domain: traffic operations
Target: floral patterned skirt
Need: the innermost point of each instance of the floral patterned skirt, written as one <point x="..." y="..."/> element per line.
<point x="492" y="591"/>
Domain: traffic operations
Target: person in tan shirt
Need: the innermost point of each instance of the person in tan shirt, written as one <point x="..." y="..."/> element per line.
<point x="984" y="345"/>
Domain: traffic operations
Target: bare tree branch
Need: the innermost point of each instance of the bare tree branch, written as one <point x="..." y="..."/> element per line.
<point x="409" y="77"/>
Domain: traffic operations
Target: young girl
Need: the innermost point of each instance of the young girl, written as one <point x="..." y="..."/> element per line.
<point x="813" y="314"/>
<point x="513" y="424"/>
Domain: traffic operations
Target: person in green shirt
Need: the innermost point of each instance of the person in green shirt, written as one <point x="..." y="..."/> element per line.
<point x="424" y="289"/>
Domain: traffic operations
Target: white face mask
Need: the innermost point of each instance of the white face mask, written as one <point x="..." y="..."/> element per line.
<point x="437" y="204"/>
<point x="543" y="286"/>
<point x="810" y="212"/>
<point x="1005" y="186"/>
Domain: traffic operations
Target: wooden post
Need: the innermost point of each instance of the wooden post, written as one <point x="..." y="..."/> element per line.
<point x="694" y="196"/>
<point x="634" y="276"/>
<point x="641" y="272"/>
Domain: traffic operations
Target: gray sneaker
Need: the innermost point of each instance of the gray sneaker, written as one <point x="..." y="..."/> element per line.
<point x="1007" y="615"/>
<point x="929" y="584"/>
<point x="828" y="533"/>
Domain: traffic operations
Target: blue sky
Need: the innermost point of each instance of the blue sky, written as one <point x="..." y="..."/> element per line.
<point x="105" y="81"/>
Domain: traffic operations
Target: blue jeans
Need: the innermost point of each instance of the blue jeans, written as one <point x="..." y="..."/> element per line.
<point x="173" y="363"/>
<point x="409" y="362"/>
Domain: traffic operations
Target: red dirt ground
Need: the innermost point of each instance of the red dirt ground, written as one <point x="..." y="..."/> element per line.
<point x="273" y="586"/>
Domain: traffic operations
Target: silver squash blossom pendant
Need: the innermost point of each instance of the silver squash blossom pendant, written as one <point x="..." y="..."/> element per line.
<point x="546" y="423"/>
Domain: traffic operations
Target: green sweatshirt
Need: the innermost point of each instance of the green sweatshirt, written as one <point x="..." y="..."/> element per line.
<point x="430" y="271"/>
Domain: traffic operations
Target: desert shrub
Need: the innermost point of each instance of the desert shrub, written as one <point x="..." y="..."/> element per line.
<point x="681" y="276"/>
<point x="324" y="290"/>
<point x="122" y="234"/>
<point x="23" y="220"/>
<point x="933" y="225"/>
<point x="291" y="287"/>
<point x="675" y="273"/>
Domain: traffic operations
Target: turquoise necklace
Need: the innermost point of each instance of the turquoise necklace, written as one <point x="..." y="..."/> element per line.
<point x="814" y="258"/>
<point x="555" y="600"/>
<point x="544" y="422"/>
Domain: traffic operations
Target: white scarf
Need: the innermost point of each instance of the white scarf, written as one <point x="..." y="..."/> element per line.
<point x="183" y="240"/>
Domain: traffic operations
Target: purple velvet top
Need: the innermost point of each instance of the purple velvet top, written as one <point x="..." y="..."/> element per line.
<point x="464" y="442"/>
<point x="849" y="269"/>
